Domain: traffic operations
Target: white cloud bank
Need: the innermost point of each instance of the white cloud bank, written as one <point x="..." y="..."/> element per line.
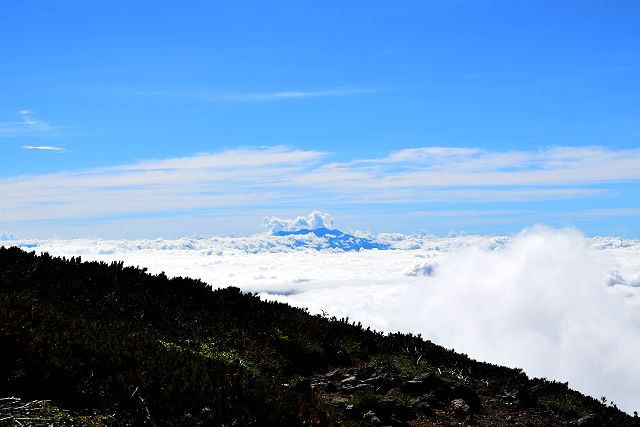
<point x="552" y="302"/>
<point x="541" y="303"/>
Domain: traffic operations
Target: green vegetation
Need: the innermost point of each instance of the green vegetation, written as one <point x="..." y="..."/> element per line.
<point x="364" y="399"/>
<point x="398" y="364"/>
<point x="559" y="396"/>
<point x="105" y="344"/>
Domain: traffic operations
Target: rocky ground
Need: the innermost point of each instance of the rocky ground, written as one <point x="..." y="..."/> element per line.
<point x="395" y="399"/>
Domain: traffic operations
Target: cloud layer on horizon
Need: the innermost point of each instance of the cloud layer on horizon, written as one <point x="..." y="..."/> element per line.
<point x="268" y="177"/>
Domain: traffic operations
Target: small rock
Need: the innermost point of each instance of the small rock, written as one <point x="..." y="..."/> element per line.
<point x="380" y="383"/>
<point x="468" y="395"/>
<point x="365" y="372"/>
<point x="394" y="380"/>
<point x="433" y="381"/>
<point x="460" y="407"/>
<point x="413" y="386"/>
<point x="395" y="422"/>
<point x="389" y="408"/>
<point x="347" y="389"/>
<point x="431" y="400"/>
<point x="526" y="398"/>
<point x="590" y="420"/>
<point x="372" y="418"/>
<point x="425" y="409"/>
<point x="349" y="380"/>
<point x="331" y="387"/>
<point x="302" y="385"/>
<point x="362" y="387"/>
<point x="429" y="383"/>
<point x="336" y="375"/>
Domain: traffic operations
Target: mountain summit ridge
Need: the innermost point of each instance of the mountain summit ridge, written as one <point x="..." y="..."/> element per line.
<point x="334" y="238"/>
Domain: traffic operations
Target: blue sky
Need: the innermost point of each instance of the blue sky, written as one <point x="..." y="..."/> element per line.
<point x="136" y="119"/>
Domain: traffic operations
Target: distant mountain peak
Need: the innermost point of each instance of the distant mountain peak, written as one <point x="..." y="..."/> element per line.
<point x="333" y="239"/>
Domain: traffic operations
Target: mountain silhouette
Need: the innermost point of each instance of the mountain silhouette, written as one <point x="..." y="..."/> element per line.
<point x="332" y="239"/>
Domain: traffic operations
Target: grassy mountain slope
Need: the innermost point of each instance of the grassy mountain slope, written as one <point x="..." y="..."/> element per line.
<point x="103" y="344"/>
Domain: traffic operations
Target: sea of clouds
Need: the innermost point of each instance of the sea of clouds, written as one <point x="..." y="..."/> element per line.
<point x="551" y="301"/>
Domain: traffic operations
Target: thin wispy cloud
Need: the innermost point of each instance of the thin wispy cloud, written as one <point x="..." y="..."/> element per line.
<point x="211" y="96"/>
<point x="27" y="125"/>
<point x="42" y="147"/>
<point x="443" y="167"/>
<point x="236" y="178"/>
<point x="284" y="95"/>
<point x="280" y="176"/>
<point x="605" y="213"/>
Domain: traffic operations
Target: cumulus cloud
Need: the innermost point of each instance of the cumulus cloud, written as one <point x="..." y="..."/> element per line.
<point x="616" y="278"/>
<point x="314" y="220"/>
<point x="422" y="269"/>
